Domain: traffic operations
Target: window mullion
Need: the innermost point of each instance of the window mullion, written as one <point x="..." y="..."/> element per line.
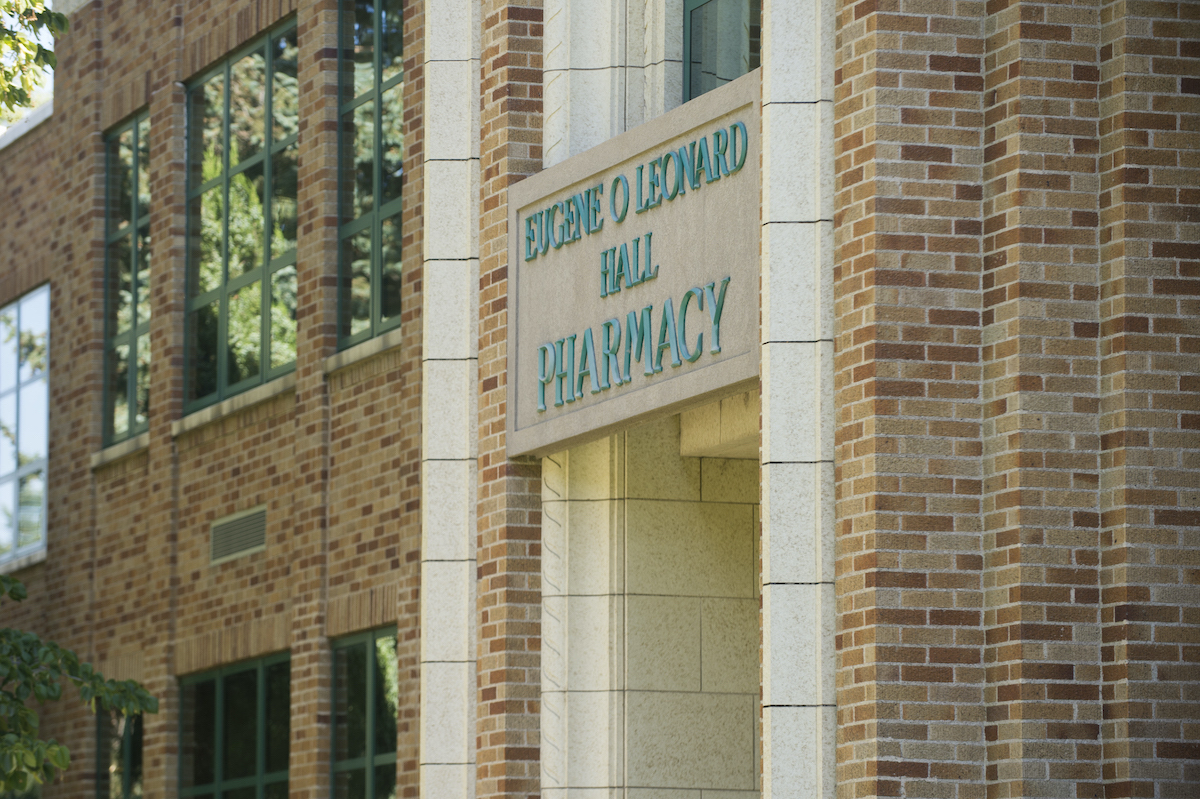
<point x="219" y="737"/>
<point x="369" y="782"/>
<point x="260" y="738"/>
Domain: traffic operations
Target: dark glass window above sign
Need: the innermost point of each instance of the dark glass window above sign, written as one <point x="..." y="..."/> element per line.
<point x="371" y="178"/>
<point x="242" y="162"/>
<point x="722" y="40"/>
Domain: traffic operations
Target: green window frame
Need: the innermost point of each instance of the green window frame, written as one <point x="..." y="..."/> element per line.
<point x="243" y="144"/>
<point x="371" y="147"/>
<point x="365" y="706"/>
<point x="127" y="280"/>
<point x="24" y="423"/>
<point x="708" y="36"/>
<point x="118" y="756"/>
<point x="234" y="730"/>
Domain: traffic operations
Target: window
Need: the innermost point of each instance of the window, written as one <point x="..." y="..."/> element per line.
<point x="127" y="281"/>
<point x="24" y="423"/>
<point x="722" y="40"/>
<point x="365" y="702"/>
<point x="235" y="726"/>
<point x="118" y="756"/>
<point x="241" y="322"/>
<point x="372" y="173"/>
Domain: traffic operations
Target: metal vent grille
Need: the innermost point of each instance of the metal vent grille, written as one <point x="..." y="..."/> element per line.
<point x="239" y="534"/>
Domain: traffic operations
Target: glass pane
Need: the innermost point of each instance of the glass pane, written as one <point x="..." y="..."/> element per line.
<point x="350" y="704"/>
<point x="202" y="351"/>
<point x="131" y="745"/>
<point x="361" y="32"/>
<point x="241" y="725"/>
<point x="279" y="708"/>
<point x="143" y="276"/>
<point x="283" y="317"/>
<point x="31" y="499"/>
<point x="720" y="43"/>
<point x="240" y="793"/>
<point x="285" y="106"/>
<point x="206" y="264"/>
<point x="8" y="433"/>
<point x="199" y="712"/>
<point x="392" y="30"/>
<point x="356" y="283"/>
<point x="143" y="168"/>
<point x="120" y="180"/>
<point x="142" y="386"/>
<point x="349" y="785"/>
<point x="390" y="274"/>
<point x="8" y="520"/>
<point x="247" y="226"/>
<point x="120" y="286"/>
<point x="245" y="333"/>
<point x="247" y="107"/>
<point x="385" y="781"/>
<point x="276" y="790"/>
<point x="33" y="409"/>
<point x="8" y="348"/>
<point x="118" y="390"/>
<point x="391" y="167"/>
<point x="111" y="767"/>
<point x="387" y="699"/>
<point x="35" y="333"/>
<point x="358" y="131"/>
<point x="208" y="146"/>
<point x="283" y="202"/>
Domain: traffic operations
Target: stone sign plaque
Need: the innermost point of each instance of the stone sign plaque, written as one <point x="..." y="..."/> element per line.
<point x="634" y="274"/>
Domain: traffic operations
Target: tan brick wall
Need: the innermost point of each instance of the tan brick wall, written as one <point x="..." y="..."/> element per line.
<point x="1149" y="406"/>
<point x="907" y="153"/>
<point x="508" y="551"/>
<point x="1016" y="235"/>
<point x="127" y="580"/>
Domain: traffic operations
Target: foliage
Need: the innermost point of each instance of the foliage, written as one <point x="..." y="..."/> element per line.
<point x="23" y="58"/>
<point x="34" y="669"/>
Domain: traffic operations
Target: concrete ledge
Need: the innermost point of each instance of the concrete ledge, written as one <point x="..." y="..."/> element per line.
<point x="118" y="451"/>
<point x="361" y="352"/>
<point x="194" y="421"/>
<point x="24" y="562"/>
<point x="30" y="121"/>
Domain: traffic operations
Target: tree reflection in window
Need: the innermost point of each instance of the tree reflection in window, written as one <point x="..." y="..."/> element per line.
<point x="372" y="167"/>
<point x="24" y="423"/>
<point x="241" y="325"/>
<point x="127" y="278"/>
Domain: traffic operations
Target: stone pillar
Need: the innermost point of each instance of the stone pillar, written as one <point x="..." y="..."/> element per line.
<point x="798" y="613"/>
<point x="450" y="280"/>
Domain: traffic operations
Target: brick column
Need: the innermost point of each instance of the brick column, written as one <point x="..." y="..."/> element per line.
<point x="509" y="493"/>
<point x="907" y="149"/>
<point x="1040" y="384"/>
<point x="1150" y="395"/>
<point x="316" y="339"/>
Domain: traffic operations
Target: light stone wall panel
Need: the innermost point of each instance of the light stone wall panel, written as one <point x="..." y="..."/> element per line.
<point x="650" y="619"/>
<point x="798" y="616"/>
<point x="448" y="402"/>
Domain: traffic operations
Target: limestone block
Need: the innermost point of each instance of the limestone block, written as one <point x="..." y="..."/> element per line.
<point x="663" y="635"/>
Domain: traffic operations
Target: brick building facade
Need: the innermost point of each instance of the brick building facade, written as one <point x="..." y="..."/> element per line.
<point x="947" y="544"/>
